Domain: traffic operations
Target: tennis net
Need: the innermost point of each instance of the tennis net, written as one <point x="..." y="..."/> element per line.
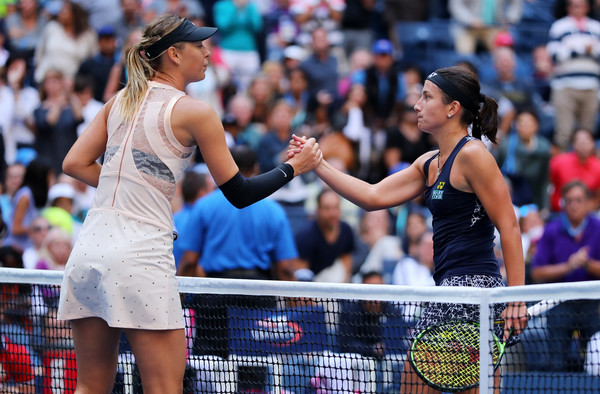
<point x="247" y="336"/>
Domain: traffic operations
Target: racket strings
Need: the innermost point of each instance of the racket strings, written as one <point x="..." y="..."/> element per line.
<point x="448" y="355"/>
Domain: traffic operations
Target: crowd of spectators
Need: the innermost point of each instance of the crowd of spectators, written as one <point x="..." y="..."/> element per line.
<point x="337" y="70"/>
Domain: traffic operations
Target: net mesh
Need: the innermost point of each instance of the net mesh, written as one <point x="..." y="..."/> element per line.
<point x="247" y="336"/>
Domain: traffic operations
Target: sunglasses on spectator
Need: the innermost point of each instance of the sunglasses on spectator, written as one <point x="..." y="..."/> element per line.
<point x="41" y="228"/>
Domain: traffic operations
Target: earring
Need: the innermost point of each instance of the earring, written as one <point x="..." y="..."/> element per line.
<point x="449" y="115"/>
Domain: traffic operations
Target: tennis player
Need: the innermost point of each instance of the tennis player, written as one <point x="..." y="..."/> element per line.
<point x="121" y="274"/>
<point x="465" y="193"/>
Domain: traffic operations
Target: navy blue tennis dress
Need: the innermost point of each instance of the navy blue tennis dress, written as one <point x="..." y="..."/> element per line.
<point x="463" y="243"/>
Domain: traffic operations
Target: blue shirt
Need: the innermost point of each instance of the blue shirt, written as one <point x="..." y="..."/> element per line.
<point x="229" y="238"/>
<point x="181" y="219"/>
<point x="463" y="234"/>
<point x="556" y="245"/>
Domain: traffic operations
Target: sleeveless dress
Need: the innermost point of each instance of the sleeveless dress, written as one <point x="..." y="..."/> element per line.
<point x="121" y="268"/>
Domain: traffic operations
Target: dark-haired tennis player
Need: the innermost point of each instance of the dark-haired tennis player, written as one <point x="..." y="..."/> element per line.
<point x="121" y="273"/>
<point x="465" y="193"/>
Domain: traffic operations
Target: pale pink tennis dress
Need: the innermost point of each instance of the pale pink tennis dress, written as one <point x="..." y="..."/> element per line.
<point x="122" y="268"/>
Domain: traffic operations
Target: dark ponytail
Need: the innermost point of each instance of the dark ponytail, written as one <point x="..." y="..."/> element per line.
<point x="485" y="121"/>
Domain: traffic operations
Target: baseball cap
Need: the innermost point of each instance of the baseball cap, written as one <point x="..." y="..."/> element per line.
<point x="106" y="31"/>
<point x="61" y="190"/>
<point x="383" y="47"/>
<point x="185" y="32"/>
<point x="504" y="39"/>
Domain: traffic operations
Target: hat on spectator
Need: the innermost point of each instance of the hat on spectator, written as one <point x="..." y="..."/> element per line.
<point x="61" y="190"/>
<point x="383" y="47"/>
<point x="504" y="39"/>
<point x="294" y="52"/>
<point x="106" y="31"/>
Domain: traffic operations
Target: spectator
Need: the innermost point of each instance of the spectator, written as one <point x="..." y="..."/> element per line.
<point x="326" y="243"/>
<point x="520" y="91"/>
<point x="414" y="227"/>
<point x="263" y="95"/>
<point x="267" y="250"/>
<point x="416" y="269"/>
<point x="581" y="163"/>
<point x="83" y="89"/>
<point x="239" y="22"/>
<point x="194" y="186"/>
<point x="311" y="15"/>
<point x="365" y="162"/>
<point x="212" y="89"/>
<point x="61" y="197"/>
<point x="569" y="252"/>
<point x="384" y="83"/>
<point x="524" y="158"/>
<point x="55" y="250"/>
<point x="404" y="141"/>
<point x="280" y="28"/>
<point x="13" y="179"/>
<point x="100" y="64"/>
<point x="37" y="233"/>
<point x="66" y="43"/>
<point x="239" y="128"/>
<point x="478" y="21"/>
<point x="28" y="202"/>
<point x="272" y="148"/>
<point x="321" y="70"/>
<point x="574" y="45"/>
<point x="25" y="28"/>
<point x="212" y="248"/>
<point x="131" y="19"/>
<point x="56" y="120"/>
<point x="117" y="78"/>
<point x="16" y="367"/>
<point x="382" y="246"/>
<point x="362" y="322"/>
<point x="27" y="99"/>
<point x="7" y="110"/>
<point x="296" y="96"/>
<point x="357" y="25"/>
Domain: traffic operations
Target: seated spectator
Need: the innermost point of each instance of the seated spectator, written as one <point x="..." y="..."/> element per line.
<point x="416" y="269"/>
<point x="568" y="251"/>
<point x="84" y="91"/>
<point x="382" y="247"/>
<point x="326" y="243"/>
<point x="61" y="197"/>
<point x="581" y="163"/>
<point x="55" y="250"/>
<point x="13" y="178"/>
<point x="524" y="158"/>
<point x="361" y="325"/>
<point x="16" y="368"/>
<point x="28" y="203"/>
<point x="37" y="234"/>
<point x="100" y="64"/>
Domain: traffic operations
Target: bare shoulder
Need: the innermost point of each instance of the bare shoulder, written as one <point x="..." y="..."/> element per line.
<point x="194" y="120"/>
<point x="192" y="109"/>
<point x="474" y="152"/>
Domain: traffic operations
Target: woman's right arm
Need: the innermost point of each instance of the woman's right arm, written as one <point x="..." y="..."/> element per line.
<point x="392" y="191"/>
<point x="80" y="162"/>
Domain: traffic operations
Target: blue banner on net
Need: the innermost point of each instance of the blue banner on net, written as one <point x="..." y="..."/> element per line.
<point x="254" y="332"/>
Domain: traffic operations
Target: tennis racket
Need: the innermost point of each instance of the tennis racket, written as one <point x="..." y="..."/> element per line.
<point x="446" y="355"/>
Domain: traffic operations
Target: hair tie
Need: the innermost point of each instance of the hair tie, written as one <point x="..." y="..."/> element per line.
<point x="481" y="97"/>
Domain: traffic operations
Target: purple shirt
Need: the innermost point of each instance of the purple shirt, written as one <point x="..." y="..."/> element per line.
<point x="556" y="245"/>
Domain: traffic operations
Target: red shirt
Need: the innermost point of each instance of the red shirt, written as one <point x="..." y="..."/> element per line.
<point x="60" y="370"/>
<point x="16" y="363"/>
<point x="566" y="167"/>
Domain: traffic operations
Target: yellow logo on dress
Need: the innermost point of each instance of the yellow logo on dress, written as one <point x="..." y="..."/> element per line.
<point x="439" y="193"/>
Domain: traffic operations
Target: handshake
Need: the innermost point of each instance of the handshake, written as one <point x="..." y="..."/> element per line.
<point x="303" y="154"/>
